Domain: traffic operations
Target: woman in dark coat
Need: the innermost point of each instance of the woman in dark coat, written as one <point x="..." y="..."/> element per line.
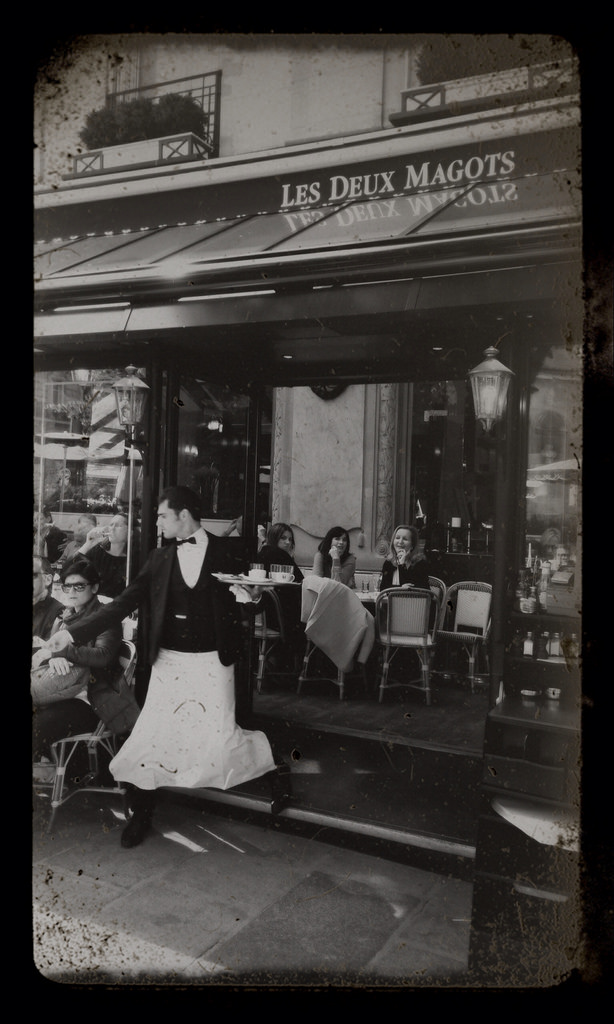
<point x="405" y="562"/>
<point x="278" y="550"/>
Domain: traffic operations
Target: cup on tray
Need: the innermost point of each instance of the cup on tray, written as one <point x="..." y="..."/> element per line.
<point x="257" y="571"/>
<point x="281" y="574"/>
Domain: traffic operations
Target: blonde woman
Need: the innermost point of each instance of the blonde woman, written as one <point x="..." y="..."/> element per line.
<point x="405" y="562"/>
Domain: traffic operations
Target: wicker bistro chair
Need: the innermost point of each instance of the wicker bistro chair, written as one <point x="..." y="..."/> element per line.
<point x="404" y="619"/>
<point x="338" y="626"/>
<point x="340" y="679"/>
<point x="268" y="632"/>
<point x="465" y="620"/>
<point x="439" y="589"/>
<point x="64" y="749"/>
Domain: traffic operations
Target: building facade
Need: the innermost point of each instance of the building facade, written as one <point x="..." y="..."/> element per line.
<point x="305" y="302"/>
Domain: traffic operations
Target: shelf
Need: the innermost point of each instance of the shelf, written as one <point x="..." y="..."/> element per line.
<point x="536" y="714"/>
<point x="560" y="615"/>
<point x="467" y="554"/>
<point x="516" y="775"/>
<point x="557" y="662"/>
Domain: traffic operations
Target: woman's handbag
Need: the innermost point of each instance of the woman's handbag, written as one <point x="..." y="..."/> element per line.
<point x="114" y="704"/>
<point x="47" y="687"/>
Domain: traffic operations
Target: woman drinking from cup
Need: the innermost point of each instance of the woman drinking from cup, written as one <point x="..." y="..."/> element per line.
<point x="106" y="547"/>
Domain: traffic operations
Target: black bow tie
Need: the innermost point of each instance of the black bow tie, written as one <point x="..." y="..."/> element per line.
<point x="188" y="540"/>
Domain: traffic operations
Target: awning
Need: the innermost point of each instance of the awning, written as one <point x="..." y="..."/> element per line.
<point x="432" y="325"/>
<point x="332" y="239"/>
<point x="298" y="269"/>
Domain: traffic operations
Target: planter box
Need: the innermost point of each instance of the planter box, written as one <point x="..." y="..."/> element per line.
<point x="496" y="86"/>
<point x="148" y="153"/>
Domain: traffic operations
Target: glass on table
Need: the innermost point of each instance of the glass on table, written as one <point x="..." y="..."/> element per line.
<point x="257" y="571"/>
<point x="281" y="573"/>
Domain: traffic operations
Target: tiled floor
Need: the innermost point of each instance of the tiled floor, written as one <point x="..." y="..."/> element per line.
<point x="209" y="900"/>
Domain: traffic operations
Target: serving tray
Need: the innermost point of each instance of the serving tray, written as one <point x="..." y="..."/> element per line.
<point x="225" y="577"/>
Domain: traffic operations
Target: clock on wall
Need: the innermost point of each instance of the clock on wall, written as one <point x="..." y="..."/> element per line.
<point x="327" y="391"/>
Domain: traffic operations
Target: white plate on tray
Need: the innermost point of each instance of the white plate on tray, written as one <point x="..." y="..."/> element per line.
<point x="224" y="577"/>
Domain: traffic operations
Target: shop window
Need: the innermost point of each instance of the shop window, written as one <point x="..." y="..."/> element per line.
<point x="552" y="499"/>
<point x="451" y="470"/>
<point x="80" y="462"/>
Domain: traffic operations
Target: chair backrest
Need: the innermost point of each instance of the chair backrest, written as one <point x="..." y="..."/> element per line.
<point x="269" y="614"/>
<point x="402" y="613"/>
<point x="127" y="660"/>
<point x="336" y="621"/>
<point x="439" y="589"/>
<point x="468" y="608"/>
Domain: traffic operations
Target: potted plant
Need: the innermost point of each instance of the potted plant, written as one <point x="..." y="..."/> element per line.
<point x="124" y="134"/>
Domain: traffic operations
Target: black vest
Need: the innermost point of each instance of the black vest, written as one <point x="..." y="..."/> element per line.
<point x="189" y="623"/>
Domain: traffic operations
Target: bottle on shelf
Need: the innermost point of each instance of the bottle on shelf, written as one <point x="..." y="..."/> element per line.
<point x="527" y="644"/>
<point x="555" y="645"/>
<point x="516" y="647"/>
<point x="455" y="536"/>
<point x="542" y="643"/>
<point x="529" y="557"/>
<point x="522" y="591"/>
<point x="531" y="602"/>
<point x="570" y="647"/>
<point x="544" y="583"/>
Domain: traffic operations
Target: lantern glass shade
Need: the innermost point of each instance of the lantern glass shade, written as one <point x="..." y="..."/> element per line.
<point x="131" y="398"/>
<point x="490" y="383"/>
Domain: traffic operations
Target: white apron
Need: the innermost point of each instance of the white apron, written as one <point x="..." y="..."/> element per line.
<point x="186" y="734"/>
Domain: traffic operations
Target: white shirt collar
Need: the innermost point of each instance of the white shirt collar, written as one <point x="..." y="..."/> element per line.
<point x="200" y="536"/>
<point x="192" y="556"/>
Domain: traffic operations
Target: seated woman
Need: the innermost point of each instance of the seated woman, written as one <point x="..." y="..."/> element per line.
<point x="334" y="559"/>
<point x="278" y="550"/>
<point x="106" y="548"/>
<point x="69" y="691"/>
<point x="405" y="562"/>
<point x="85" y="522"/>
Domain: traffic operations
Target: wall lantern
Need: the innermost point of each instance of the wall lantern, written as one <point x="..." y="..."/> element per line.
<point x="490" y="383"/>
<point x="131" y="398"/>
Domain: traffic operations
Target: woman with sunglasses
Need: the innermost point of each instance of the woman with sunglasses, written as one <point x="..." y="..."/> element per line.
<point x="65" y="689"/>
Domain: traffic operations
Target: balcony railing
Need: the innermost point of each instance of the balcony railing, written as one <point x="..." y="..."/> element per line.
<point x="147" y="153"/>
<point x="479" y="92"/>
<point x="205" y="89"/>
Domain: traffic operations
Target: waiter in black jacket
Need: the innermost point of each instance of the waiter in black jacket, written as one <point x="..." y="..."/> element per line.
<point x="186" y="734"/>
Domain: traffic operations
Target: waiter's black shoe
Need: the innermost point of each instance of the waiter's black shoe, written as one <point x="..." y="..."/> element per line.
<point x="136" y="830"/>
<point x="281" y="788"/>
